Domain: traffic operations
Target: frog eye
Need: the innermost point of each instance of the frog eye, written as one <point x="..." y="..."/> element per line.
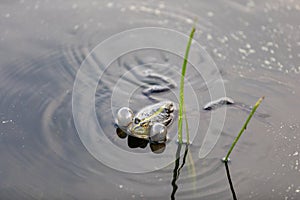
<point x="137" y="120"/>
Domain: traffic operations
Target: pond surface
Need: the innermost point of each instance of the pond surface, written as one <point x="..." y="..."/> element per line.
<point x="254" y="44"/>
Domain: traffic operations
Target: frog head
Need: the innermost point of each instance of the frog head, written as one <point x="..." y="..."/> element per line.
<point x="140" y="128"/>
<point x="143" y="122"/>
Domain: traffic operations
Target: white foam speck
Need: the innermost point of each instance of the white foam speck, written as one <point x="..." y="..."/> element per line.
<point x="264" y="48"/>
<point x="146" y="9"/>
<point x="36" y="7"/>
<point x="242" y="51"/>
<point x="251" y="51"/>
<point x="209" y="37"/>
<point x="74" y="6"/>
<point x="223" y="39"/>
<point x="157" y="12"/>
<point x="161" y="6"/>
<point x="189" y="21"/>
<point x="132" y="7"/>
<point x="110" y="4"/>
<point x="234" y="36"/>
<point x="76" y="27"/>
<point x="210" y="14"/>
<point x="7" y="121"/>
<point x="250" y="4"/>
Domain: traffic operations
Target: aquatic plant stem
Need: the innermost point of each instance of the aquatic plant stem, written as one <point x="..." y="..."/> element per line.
<point x="181" y="93"/>
<point x="243" y="128"/>
<point x="186" y="125"/>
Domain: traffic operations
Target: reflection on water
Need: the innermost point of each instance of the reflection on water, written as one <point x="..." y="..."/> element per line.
<point x="230" y="181"/>
<point x="177" y="168"/>
<point x="255" y="45"/>
<point x="134" y="142"/>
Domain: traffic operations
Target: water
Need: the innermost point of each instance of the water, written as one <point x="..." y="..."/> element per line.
<point x="42" y="45"/>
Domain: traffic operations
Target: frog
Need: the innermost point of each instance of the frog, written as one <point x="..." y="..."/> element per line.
<point x="150" y="123"/>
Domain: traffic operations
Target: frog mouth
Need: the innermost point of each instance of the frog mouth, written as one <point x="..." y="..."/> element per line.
<point x="142" y="136"/>
<point x="139" y="132"/>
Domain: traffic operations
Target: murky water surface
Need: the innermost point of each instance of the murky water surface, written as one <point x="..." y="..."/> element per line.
<point x="255" y="44"/>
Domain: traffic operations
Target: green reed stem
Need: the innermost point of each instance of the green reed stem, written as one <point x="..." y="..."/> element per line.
<point x="186" y="125"/>
<point x="243" y="128"/>
<point x="181" y="93"/>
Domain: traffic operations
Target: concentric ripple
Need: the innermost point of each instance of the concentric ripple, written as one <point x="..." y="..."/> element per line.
<point x="254" y="44"/>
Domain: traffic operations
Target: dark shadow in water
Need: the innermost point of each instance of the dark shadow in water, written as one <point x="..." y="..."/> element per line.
<point x="134" y="142"/>
<point x="230" y="182"/>
<point x="121" y="134"/>
<point x="177" y="168"/>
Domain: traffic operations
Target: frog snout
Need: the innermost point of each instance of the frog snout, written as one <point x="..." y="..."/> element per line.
<point x="139" y="131"/>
